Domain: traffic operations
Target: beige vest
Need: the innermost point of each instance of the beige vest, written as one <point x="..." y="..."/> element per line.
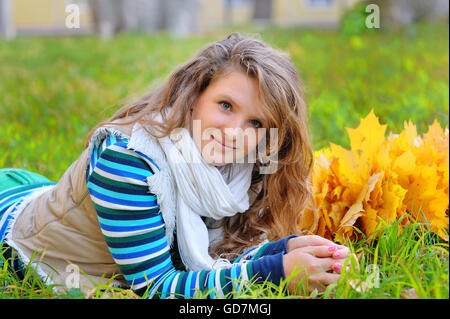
<point x="62" y="222"/>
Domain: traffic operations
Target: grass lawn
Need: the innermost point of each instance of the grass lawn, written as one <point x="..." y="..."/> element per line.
<point x="404" y="262"/>
<point x="53" y="90"/>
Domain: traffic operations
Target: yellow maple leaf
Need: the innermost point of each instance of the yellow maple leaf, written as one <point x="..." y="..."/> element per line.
<point x="357" y="209"/>
<point x="369" y="222"/>
<point x="437" y="137"/>
<point x="405" y="165"/>
<point x="346" y="165"/>
<point x="404" y="141"/>
<point x="393" y="195"/>
<point x="368" y="136"/>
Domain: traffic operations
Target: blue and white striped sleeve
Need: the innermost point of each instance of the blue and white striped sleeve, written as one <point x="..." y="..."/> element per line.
<point x="264" y="249"/>
<point x="134" y="231"/>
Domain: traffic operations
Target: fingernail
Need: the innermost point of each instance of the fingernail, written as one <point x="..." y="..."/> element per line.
<point x="337" y="255"/>
<point x="336" y="267"/>
<point x="332" y="248"/>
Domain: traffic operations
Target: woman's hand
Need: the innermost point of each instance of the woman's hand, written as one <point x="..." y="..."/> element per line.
<point x="336" y="251"/>
<point x="314" y="240"/>
<point x="313" y="256"/>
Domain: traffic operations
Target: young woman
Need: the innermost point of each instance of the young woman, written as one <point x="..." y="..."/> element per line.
<point x="170" y="195"/>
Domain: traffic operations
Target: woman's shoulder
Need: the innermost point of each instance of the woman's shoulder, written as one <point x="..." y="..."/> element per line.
<point x="115" y="148"/>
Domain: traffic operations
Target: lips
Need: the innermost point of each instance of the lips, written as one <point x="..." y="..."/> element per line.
<point x="223" y="145"/>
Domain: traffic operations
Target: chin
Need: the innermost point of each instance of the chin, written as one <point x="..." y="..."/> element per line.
<point x="221" y="162"/>
<point x="212" y="162"/>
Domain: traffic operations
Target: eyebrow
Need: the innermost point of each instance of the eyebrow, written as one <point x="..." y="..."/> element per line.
<point x="229" y="98"/>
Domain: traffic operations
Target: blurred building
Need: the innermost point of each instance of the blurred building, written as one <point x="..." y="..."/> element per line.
<point x="44" y="16"/>
<point x="179" y="17"/>
<point x="313" y="13"/>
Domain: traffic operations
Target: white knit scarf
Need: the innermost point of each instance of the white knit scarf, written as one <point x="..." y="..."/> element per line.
<point x="202" y="190"/>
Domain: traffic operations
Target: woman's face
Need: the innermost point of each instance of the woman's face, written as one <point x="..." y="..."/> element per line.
<point x="228" y="112"/>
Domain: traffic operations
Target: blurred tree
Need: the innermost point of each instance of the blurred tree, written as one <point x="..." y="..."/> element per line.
<point x="395" y="13"/>
<point x="176" y="16"/>
<point x="181" y="16"/>
<point x="107" y="16"/>
<point x="6" y="26"/>
<point x="227" y="4"/>
<point x="262" y="10"/>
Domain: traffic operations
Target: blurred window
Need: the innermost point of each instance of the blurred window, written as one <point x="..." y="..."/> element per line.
<point x="82" y="4"/>
<point x="237" y="3"/>
<point x="320" y="3"/>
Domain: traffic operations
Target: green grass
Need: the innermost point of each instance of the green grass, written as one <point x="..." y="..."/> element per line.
<point x="53" y="90"/>
<point x="411" y="263"/>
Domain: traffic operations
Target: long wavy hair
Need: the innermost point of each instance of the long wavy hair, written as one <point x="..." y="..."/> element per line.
<point x="280" y="197"/>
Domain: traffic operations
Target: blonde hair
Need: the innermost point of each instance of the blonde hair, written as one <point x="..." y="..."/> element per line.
<point x="281" y="195"/>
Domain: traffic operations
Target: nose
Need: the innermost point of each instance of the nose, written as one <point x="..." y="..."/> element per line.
<point x="234" y="128"/>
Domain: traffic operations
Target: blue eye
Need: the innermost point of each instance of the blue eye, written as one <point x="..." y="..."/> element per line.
<point x="225" y="103"/>
<point x="259" y="123"/>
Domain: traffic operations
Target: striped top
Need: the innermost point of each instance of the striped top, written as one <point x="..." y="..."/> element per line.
<point x="134" y="231"/>
<point x="10" y="200"/>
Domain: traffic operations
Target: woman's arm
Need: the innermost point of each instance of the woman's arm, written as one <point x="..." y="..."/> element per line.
<point x="265" y="248"/>
<point x="134" y="231"/>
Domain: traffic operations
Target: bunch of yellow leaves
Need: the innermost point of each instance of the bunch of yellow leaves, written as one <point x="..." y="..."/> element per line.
<point x="401" y="175"/>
